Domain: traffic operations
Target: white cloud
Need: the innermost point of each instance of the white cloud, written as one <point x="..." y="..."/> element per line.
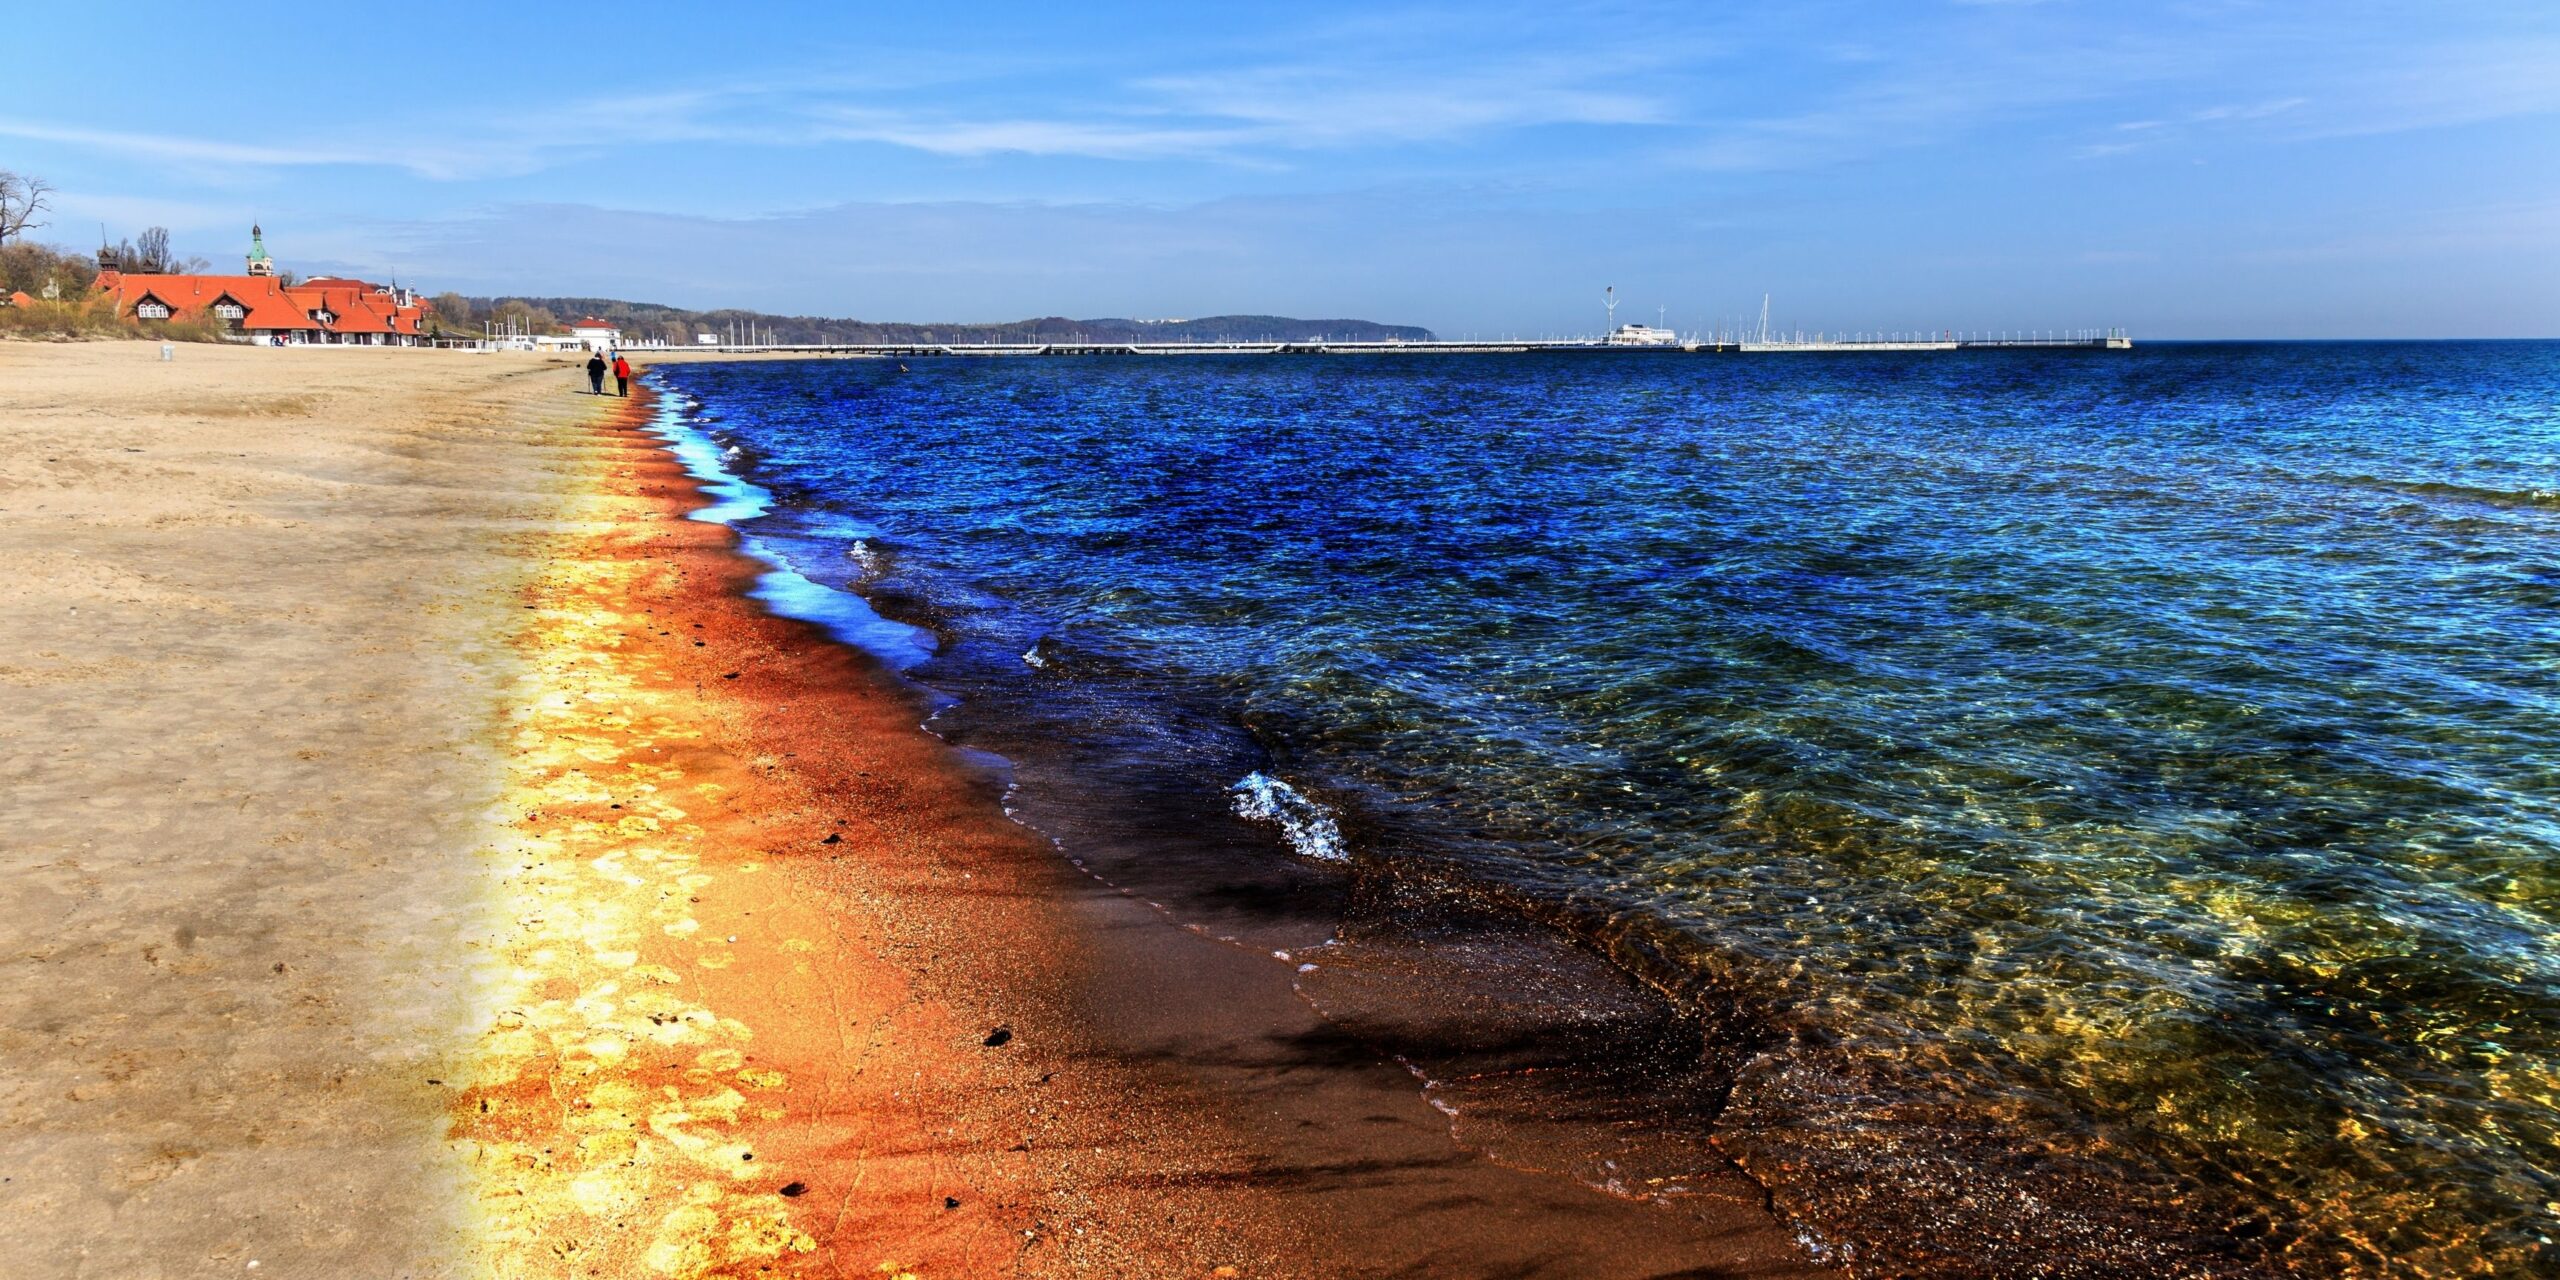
<point x="170" y="147"/>
<point x="1107" y="140"/>
<point x="1307" y="106"/>
<point x="198" y="154"/>
<point x="1241" y="111"/>
<point x="2137" y="135"/>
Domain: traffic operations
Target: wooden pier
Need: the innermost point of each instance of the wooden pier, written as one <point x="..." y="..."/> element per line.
<point x="1945" y="340"/>
<point x="2078" y="340"/>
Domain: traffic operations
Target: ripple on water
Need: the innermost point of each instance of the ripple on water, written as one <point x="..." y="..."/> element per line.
<point x="2144" y="759"/>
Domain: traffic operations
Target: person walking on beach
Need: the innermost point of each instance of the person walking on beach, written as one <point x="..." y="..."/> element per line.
<point x="595" y="373"/>
<point x="621" y="375"/>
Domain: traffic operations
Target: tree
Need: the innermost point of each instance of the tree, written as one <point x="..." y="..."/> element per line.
<point x="151" y="253"/>
<point x="453" y="314"/>
<point x="27" y="265"/>
<point x="24" y="265"/>
<point x="21" y="199"/>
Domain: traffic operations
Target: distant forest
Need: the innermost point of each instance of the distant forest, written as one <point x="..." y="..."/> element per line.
<point x="677" y="327"/>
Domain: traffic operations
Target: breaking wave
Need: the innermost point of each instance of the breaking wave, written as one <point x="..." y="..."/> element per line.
<point x="1308" y="827"/>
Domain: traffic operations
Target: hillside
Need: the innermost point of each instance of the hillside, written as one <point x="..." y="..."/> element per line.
<point x="678" y="327"/>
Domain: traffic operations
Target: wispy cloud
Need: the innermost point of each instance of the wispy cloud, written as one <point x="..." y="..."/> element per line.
<point x="1753" y="95"/>
<point x="1252" y="113"/>
<point x="2354" y="88"/>
<point x="2135" y="135"/>
<point x="484" y="158"/>
<point x="2524" y="228"/>
<point x="1313" y="106"/>
<point x="174" y="147"/>
<point x="1234" y="111"/>
<point x="1095" y="139"/>
<point x="2392" y="89"/>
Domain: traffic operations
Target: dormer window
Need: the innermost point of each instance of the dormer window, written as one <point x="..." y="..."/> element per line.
<point x="229" y="310"/>
<point x="152" y="310"/>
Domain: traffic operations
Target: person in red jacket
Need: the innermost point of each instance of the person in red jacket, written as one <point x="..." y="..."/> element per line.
<point x="621" y="375"/>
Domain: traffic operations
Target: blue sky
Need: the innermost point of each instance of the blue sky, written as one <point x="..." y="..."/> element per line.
<point x="2323" y="168"/>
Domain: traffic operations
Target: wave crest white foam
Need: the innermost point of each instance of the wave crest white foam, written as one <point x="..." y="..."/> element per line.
<point x="868" y="560"/>
<point x="1308" y="826"/>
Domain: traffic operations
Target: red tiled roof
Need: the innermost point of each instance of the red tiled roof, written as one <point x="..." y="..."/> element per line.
<point x="262" y="298"/>
<point x="357" y="307"/>
<point x="20" y="299"/>
<point x="590" y="322"/>
<point x="354" y="306"/>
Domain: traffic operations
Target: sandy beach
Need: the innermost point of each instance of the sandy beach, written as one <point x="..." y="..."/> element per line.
<point x="258" y="633"/>
<point x="423" y="859"/>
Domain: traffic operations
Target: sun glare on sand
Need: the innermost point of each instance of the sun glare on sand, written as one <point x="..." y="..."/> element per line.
<point x="608" y="1111"/>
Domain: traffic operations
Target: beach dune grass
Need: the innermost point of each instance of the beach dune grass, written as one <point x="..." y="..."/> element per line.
<point x="96" y="316"/>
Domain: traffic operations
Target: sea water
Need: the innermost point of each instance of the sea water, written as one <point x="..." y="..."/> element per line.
<point x="2159" y="745"/>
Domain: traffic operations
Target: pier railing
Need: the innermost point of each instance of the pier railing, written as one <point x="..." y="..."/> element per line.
<point x="2090" y="339"/>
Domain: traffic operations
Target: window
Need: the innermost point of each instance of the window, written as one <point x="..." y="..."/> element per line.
<point x="229" y="310"/>
<point x="152" y="311"/>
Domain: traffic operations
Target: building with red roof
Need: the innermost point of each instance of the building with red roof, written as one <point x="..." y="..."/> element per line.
<point x="361" y="313"/>
<point x="596" y="334"/>
<point x="259" y="307"/>
<point x="255" y="307"/>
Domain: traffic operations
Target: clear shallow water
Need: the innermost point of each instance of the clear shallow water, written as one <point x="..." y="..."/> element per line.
<point x="2166" y="740"/>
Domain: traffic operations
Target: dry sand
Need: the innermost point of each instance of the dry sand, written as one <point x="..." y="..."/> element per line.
<point x="259" y="620"/>
<point x="422" y="860"/>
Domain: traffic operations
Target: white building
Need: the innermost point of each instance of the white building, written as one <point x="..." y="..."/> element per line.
<point x="556" y="342"/>
<point x="594" y="334"/>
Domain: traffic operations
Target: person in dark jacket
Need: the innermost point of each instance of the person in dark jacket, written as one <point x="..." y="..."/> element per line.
<point x="595" y="373"/>
<point x="621" y="375"/>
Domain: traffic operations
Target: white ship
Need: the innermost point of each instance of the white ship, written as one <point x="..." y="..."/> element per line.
<point x="1642" y="335"/>
<point x="1634" y="335"/>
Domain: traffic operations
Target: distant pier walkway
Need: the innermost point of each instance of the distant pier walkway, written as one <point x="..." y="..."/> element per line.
<point x="2076" y="340"/>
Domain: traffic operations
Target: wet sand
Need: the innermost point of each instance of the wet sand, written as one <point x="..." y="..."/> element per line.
<point x="424" y="860"/>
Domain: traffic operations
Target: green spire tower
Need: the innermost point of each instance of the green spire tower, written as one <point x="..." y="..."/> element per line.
<point x="259" y="263"/>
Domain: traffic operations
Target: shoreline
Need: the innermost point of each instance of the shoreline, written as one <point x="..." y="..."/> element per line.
<point x="498" y="899"/>
<point x="1320" y="1134"/>
<point x="309" y="795"/>
<point x="1214" y="1012"/>
<point x="1644" y="1063"/>
<point x="775" y="1049"/>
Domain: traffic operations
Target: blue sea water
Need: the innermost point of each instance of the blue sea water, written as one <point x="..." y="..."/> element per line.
<point x="2164" y="741"/>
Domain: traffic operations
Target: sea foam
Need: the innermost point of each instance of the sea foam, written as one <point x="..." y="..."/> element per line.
<point x="1308" y="827"/>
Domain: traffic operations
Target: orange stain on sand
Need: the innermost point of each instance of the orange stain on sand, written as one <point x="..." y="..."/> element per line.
<point x="615" y="1098"/>
<point x="749" y="931"/>
<point x="701" y="1056"/>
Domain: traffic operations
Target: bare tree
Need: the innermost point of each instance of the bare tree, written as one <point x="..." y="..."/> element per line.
<point x="151" y="252"/>
<point x="21" y="199"/>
